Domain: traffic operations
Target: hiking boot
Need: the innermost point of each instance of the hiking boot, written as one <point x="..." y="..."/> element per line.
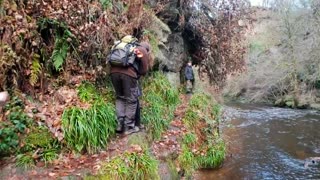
<point x="130" y="130"/>
<point x="120" y="124"/>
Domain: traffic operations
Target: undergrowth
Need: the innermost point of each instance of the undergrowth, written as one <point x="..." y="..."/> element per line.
<point x="39" y="145"/>
<point x="131" y="166"/>
<point x="64" y="39"/>
<point x="21" y="136"/>
<point x="13" y="126"/>
<point x="214" y="156"/>
<point x="89" y="129"/>
<point x="202" y="146"/>
<point x="187" y="161"/>
<point x="160" y="100"/>
<point x="88" y="92"/>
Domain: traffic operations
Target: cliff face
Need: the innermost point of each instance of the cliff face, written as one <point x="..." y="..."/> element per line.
<point x="170" y="51"/>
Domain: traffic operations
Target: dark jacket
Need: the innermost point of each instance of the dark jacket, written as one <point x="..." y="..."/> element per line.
<point x="143" y="64"/>
<point x="188" y="73"/>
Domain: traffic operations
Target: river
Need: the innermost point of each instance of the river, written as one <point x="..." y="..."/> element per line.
<point x="269" y="143"/>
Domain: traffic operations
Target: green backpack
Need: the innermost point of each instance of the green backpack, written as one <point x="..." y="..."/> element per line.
<point x="121" y="54"/>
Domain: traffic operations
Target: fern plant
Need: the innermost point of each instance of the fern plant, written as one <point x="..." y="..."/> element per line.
<point x="106" y="4"/>
<point x="35" y="69"/>
<point x="63" y="40"/>
<point x="59" y="53"/>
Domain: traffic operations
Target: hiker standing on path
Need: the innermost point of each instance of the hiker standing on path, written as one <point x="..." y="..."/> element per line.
<point x="125" y="83"/>
<point x="189" y="75"/>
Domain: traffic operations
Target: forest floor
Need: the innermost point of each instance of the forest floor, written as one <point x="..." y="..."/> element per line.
<point x="76" y="166"/>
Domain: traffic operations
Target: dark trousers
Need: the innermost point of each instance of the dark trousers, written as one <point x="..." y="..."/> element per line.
<point x="137" y="119"/>
<point x="127" y="93"/>
<point x="190" y="85"/>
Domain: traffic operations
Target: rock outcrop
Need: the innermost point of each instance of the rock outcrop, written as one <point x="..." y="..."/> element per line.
<point x="170" y="50"/>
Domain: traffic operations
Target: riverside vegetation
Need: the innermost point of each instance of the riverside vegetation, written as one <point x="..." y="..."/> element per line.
<point x="202" y="146"/>
<point x="88" y="129"/>
<point x="283" y="56"/>
<point x="52" y="59"/>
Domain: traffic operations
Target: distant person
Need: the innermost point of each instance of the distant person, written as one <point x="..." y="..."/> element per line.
<point x="125" y="83"/>
<point x="189" y="76"/>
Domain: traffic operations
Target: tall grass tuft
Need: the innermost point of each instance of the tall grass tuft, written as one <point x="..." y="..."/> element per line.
<point x="131" y="166"/>
<point x="187" y="161"/>
<point x="160" y="100"/>
<point x="89" y="129"/>
<point x="214" y="156"/>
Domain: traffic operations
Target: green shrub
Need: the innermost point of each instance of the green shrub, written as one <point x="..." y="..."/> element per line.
<point x="9" y="139"/>
<point x="37" y="143"/>
<point x="89" y="129"/>
<point x="131" y="166"/>
<point x="15" y="124"/>
<point x="160" y="99"/>
<point x="155" y="116"/>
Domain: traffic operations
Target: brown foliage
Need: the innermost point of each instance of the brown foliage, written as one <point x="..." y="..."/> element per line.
<point x="94" y="28"/>
<point x="216" y="26"/>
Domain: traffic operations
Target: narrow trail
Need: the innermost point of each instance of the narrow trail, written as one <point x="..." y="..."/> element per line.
<point x="169" y="145"/>
<point x="77" y="166"/>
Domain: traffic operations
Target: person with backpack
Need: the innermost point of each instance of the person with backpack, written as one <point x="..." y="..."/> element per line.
<point x="189" y="76"/>
<point x="128" y="63"/>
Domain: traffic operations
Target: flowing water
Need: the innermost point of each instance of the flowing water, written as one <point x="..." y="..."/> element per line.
<point x="269" y="143"/>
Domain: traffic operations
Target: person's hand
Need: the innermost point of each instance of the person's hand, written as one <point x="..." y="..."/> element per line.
<point x="138" y="53"/>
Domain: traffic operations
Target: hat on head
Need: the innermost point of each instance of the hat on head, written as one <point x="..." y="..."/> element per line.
<point x="146" y="45"/>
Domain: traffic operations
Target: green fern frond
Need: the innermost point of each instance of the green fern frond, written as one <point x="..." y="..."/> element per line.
<point x="106" y="4"/>
<point x="60" y="53"/>
<point x="63" y="40"/>
<point x="35" y="69"/>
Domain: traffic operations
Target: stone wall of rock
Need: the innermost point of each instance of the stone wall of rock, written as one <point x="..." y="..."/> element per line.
<point x="170" y="53"/>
